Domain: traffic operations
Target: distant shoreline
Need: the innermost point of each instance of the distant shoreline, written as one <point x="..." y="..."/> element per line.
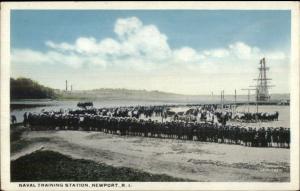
<point x="187" y="99"/>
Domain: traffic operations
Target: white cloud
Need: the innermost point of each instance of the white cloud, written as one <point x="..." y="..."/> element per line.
<point x="27" y="56"/>
<point x="109" y="46"/>
<point x="86" y="45"/>
<point x="140" y="47"/>
<point x="217" y="53"/>
<point x="135" y="40"/>
<point x="60" y="47"/>
<point x="127" y="26"/>
<point x="242" y="50"/>
<point x="187" y="55"/>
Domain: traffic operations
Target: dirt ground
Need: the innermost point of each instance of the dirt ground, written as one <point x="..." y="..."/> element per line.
<point x="183" y="159"/>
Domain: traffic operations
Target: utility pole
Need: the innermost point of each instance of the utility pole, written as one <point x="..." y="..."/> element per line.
<point x="223" y="95"/>
<point x="222" y="100"/>
<point x="257" y="100"/>
<point x="235" y="97"/>
<point x="248" y="103"/>
<point x="234" y="100"/>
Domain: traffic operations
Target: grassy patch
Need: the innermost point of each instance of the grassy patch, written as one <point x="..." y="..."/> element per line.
<point x="23" y="143"/>
<point x="16" y="131"/>
<point x="53" y="166"/>
<point x="18" y="143"/>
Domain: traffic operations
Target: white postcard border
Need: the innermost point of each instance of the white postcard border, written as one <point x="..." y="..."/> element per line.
<point x="294" y="106"/>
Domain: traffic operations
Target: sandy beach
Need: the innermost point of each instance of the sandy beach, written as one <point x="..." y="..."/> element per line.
<point x="183" y="159"/>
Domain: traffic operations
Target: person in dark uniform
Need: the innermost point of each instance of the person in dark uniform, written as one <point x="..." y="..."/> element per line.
<point x="288" y="137"/>
<point x="13" y="119"/>
<point x="25" y="121"/>
<point x="269" y="137"/>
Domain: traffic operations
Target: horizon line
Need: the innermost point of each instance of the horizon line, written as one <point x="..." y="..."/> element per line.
<point x="161" y="91"/>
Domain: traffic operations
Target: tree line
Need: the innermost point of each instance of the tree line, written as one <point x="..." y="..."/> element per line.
<point x="25" y="88"/>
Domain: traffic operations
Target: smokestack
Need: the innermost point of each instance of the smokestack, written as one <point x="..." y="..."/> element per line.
<point x="66" y="85"/>
<point x="71" y="87"/>
<point x="235" y="96"/>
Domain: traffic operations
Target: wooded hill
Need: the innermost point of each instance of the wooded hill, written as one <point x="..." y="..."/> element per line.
<point x="25" y="88"/>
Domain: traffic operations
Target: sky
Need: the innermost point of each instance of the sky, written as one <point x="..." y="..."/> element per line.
<point x="179" y="51"/>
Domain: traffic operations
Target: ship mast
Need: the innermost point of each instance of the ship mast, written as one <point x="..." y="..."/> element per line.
<point x="262" y="87"/>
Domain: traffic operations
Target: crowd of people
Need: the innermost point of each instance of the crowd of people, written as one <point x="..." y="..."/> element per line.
<point x="208" y="112"/>
<point x="259" y="116"/>
<point x="126" y="121"/>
